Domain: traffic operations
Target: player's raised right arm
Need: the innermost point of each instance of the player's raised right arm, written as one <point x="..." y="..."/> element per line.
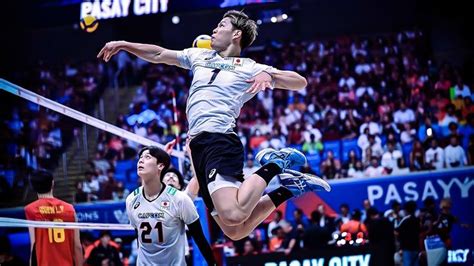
<point x="148" y="52"/>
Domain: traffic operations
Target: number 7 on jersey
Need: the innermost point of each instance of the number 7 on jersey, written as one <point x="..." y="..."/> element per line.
<point x="214" y="75"/>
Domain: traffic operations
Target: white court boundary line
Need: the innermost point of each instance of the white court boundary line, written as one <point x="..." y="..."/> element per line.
<point x="72" y="113"/>
<point x="13" y="222"/>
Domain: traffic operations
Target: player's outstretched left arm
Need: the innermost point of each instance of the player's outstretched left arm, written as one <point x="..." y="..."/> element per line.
<point x="195" y="230"/>
<point x="275" y="78"/>
<point x="148" y="52"/>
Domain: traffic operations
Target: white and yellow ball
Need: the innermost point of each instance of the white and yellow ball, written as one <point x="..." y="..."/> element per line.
<point x="89" y="23"/>
<point x="202" y="41"/>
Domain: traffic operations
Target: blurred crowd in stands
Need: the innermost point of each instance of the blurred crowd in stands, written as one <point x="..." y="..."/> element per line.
<point x="32" y="136"/>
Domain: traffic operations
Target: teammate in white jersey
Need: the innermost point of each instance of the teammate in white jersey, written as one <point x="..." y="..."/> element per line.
<point x="159" y="214"/>
<point x="174" y="178"/>
<point x="222" y="83"/>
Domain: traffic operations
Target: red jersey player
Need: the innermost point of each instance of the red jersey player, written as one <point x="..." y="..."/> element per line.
<point x="52" y="246"/>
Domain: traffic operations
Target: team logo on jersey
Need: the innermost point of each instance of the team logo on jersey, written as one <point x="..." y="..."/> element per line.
<point x="165" y="204"/>
<point x="237" y="61"/>
<point x="212" y="173"/>
<point x="121" y="216"/>
<point x="136" y="205"/>
<point x="220" y="66"/>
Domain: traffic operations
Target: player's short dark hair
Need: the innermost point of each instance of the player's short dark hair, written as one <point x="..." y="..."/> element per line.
<point x="242" y="22"/>
<point x="160" y="155"/>
<point x="178" y="174"/>
<point x="41" y="181"/>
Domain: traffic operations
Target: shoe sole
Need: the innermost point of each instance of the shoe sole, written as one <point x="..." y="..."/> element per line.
<point x="315" y="180"/>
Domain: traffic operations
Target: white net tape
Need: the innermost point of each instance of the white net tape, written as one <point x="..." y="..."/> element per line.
<point x="13" y="222"/>
<point x="67" y="111"/>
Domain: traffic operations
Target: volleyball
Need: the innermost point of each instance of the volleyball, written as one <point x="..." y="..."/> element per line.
<point x="89" y="23"/>
<point x="202" y="41"/>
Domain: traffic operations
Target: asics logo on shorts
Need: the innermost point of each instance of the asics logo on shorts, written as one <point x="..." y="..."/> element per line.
<point x="212" y="173"/>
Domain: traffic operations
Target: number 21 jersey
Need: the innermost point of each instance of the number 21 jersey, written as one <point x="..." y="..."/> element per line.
<point x="160" y="225"/>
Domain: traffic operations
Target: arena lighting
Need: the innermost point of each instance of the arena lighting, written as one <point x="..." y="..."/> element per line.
<point x="344" y="234"/>
<point x="351" y="242"/>
<point x="429" y="132"/>
<point x="259" y="22"/>
<point x="359" y="240"/>
<point x="335" y="236"/>
<point x="175" y="19"/>
<point x="274" y="16"/>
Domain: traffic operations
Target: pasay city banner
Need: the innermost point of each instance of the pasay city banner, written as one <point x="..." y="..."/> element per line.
<point x="382" y="191"/>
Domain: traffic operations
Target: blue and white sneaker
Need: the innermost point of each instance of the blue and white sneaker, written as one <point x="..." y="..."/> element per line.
<point x="285" y="158"/>
<point x="299" y="183"/>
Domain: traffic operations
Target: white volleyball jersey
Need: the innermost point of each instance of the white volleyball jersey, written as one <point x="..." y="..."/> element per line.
<point x="217" y="92"/>
<point x="160" y="225"/>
